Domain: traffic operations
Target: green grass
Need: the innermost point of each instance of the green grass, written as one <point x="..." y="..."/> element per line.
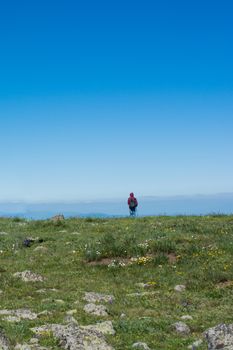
<point x="161" y="251"/>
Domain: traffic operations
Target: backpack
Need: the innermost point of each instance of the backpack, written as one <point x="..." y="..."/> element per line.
<point x="132" y="203"/>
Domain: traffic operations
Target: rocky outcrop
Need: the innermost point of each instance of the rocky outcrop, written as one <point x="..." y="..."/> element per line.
<point x="220" y="337"/>
<point x="73" y="337"/>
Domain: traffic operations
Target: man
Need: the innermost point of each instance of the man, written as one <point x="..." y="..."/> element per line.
<point x="132" y="203"/>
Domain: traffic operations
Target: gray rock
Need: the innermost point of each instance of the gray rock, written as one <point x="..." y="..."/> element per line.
<point x="70" y="319"/>
<point x="220" y="337"/>
<point x="196" y="344"/>
<point x="41" y="249"/>
<point x="102" y="327"/>
<point x="17" y="315"/>
<point x="97" y="310"/>
<point x="92" y="297"/>
<point x="3" y="233"/>
<point x="30" y="346"/>
<point x="73" y="337"/>
<point x="4" y="343"/>
<point x="180" y="288"/>
<point x="142" y="294"/>
<point x="181" y="328"/>
<point x="186" y="317"/>
<point x="140" y="346"/>
<point x="44" y="313"/>
<point x="72" y="312"/>
<point x="28" y="276"/>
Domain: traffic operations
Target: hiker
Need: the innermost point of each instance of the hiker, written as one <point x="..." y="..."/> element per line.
<point x="132" y="203"/>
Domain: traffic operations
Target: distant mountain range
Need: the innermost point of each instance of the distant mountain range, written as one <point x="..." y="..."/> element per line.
<point x="173" y="205"/>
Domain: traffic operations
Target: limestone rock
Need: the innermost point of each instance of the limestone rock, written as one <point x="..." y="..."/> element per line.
<point x="4" y="343"/>
<point x="41" y="249"/>
<point x="181" y="328"/>
<point x="73" y="337"/>
<point x="196" y="344"/>
<point x="102" y="327"/>
<point x="220" y="337"/>
<point x="140" y="346"/>
<point x="186" y="317"/>
<point x="180" y="288"/>
<point x="72" y="312"/>
<point x="28" y="276"/>
<point x="92" y="297"/>
<point x="70" y="319"/>
<point x="17" y="315"/>
<point x="97" y="310"/>
<point x="142" y="294"/>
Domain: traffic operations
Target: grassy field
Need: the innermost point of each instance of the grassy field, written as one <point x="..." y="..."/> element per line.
<point x="139" y="261"/>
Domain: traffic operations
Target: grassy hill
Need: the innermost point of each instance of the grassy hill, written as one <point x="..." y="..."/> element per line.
<point x="138" y="261"/>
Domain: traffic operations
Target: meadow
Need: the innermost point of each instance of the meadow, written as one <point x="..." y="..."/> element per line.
<point x="139" y="261"/>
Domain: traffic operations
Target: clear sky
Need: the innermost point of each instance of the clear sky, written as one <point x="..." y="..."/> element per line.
<point x="101" y="98"/>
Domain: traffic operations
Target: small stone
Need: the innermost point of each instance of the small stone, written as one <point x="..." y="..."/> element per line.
<point x="92" y="297"/>
<point x="180" y="288"/>
<point x="181" y="328"/>
<point x="102" y="327"/>
<point x="1" y="291"/>
<point x="122" y="315"/>
<point x="34" y="341"/>
<point x="186" y="317"/>
<point x="17" y="315"/>
<point x="3" y="233"/>
<point x="12" y="319"/>
<point x="44" y="313"/>
<point x="97" y="310"/>
<point x="59" y="301"/>
<point x="28" y="276"/>
<point x="70" y="319"/>
<point x="140" y="346"/>
<point x="143" y="294"/>
<point x="41" y="249"/>
<point x="41" y="291"/>
<point x="196" y="344"/>
<point x="72" y="312"/>
<point x="140" y="285"/>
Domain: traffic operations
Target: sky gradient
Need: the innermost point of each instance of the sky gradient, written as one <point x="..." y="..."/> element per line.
<point x="99" y="99"/>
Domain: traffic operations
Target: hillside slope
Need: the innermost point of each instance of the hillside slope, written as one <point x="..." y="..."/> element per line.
<point x="150" y="272"/>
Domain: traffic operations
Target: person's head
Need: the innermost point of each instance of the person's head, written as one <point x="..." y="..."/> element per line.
<point x="131" y="194"/>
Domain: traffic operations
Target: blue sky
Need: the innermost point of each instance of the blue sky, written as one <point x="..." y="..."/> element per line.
<point x="98" y="99"/>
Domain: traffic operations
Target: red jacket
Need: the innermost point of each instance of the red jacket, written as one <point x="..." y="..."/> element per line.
<point x="132" y="198"/>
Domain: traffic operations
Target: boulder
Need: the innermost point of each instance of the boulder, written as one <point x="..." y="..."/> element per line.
<point x="220" y="337"/>
<point x="73" y="337"/>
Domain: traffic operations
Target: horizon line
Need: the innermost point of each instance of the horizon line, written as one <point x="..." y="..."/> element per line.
<point x="92" y="200"/>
